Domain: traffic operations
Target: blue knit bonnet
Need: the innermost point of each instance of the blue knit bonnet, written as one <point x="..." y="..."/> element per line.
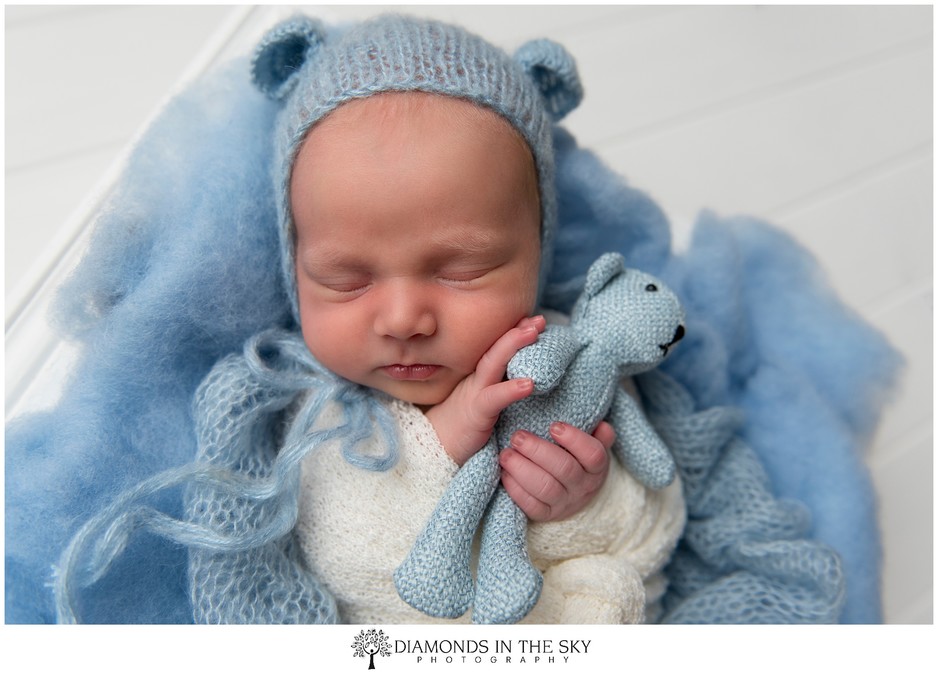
<point x="312" y="71"/>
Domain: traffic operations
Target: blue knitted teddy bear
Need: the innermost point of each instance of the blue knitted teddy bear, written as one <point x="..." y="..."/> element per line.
<point x="624" y="323"/>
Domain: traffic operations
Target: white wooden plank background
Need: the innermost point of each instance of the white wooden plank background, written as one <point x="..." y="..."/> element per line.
<point x="816" y="118"/>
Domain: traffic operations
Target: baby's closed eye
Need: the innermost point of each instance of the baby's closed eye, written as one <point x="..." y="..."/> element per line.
<point x="341" y="283"/>
<point x="463" y="277"/>
<point x="346" y="286"/>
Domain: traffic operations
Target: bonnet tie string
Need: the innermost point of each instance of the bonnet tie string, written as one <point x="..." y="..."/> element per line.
<point x="279" y="369"/>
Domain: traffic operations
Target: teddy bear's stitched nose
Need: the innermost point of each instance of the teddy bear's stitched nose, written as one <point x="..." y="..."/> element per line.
<point x="678" y="334"/>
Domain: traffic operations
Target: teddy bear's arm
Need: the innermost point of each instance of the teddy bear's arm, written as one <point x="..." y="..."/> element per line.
<point x="637" y="444"/>
<point x="546" y="360"/>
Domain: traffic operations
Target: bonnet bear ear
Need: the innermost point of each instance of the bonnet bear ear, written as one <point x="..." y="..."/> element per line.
<point x="601" y="272"/>
<point x="554" y="73"/>
<point x="282" y="52"/>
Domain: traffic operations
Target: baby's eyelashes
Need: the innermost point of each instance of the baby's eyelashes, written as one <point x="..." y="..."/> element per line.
<point x="347" y="285"/>
<point x="464" y="278"/>
<point x="460" y="281"/>
<point x="350" y="287"/>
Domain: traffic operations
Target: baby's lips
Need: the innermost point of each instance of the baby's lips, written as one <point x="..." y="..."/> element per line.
<point x="415" y="372"/>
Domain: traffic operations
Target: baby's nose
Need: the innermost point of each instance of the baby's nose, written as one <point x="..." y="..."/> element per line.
<point x="404" y="312"/>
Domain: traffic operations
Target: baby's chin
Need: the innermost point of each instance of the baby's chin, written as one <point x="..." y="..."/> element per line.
<point x="420" y="394"/>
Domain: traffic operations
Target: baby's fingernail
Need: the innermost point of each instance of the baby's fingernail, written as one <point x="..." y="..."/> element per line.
<point x="525" y="384"/>
<point x="517" y="438"/>
<point x="558" y="428"/>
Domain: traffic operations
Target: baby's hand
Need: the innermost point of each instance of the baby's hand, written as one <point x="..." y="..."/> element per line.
<point x="555" y="481"/>
<point x="465" y="420"/>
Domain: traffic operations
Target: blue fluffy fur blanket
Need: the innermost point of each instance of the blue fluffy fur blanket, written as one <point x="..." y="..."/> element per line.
<point x="183" y="268"/>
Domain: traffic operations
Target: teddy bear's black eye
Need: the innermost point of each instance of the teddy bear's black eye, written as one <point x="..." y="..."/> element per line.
<point x="651" y="288"/>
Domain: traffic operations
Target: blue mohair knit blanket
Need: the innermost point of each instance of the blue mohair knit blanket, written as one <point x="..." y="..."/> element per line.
<point x="183" y="269"/>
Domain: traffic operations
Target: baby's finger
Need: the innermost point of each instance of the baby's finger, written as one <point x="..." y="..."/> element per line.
<point x="534" y="478"/>
<point x="495" y="398"/>
<point x="605" y="434"/>
<point x="533" y="508"/>
<point x="555" y="460"/>
<point x="591" y="452"/>
<point x="491" y="367"/>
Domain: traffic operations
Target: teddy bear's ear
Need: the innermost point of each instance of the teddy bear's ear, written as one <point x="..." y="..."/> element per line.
<point x="554" y="73"/>
<point x="282" y="53"/>
<point x="601" y="272"/>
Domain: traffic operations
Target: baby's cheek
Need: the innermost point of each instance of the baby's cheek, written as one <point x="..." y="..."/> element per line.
<point x="483" y="333"/>
<point x="330" y="339"/>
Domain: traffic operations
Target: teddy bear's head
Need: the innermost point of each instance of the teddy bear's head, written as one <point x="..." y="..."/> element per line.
<point x="629" y="314"/>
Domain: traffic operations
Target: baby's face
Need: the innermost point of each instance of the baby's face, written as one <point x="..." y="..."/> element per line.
<point x="417" y="240"/>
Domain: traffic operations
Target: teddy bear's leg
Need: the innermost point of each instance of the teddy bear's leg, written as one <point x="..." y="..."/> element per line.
<point x="638" y="445"/>
<point x="507" y="584"/>
<point x="595" y="589"/>
<point x="435" y="578"/>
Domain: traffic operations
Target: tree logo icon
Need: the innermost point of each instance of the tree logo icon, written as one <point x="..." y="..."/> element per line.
<point x="370" y="642"/>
